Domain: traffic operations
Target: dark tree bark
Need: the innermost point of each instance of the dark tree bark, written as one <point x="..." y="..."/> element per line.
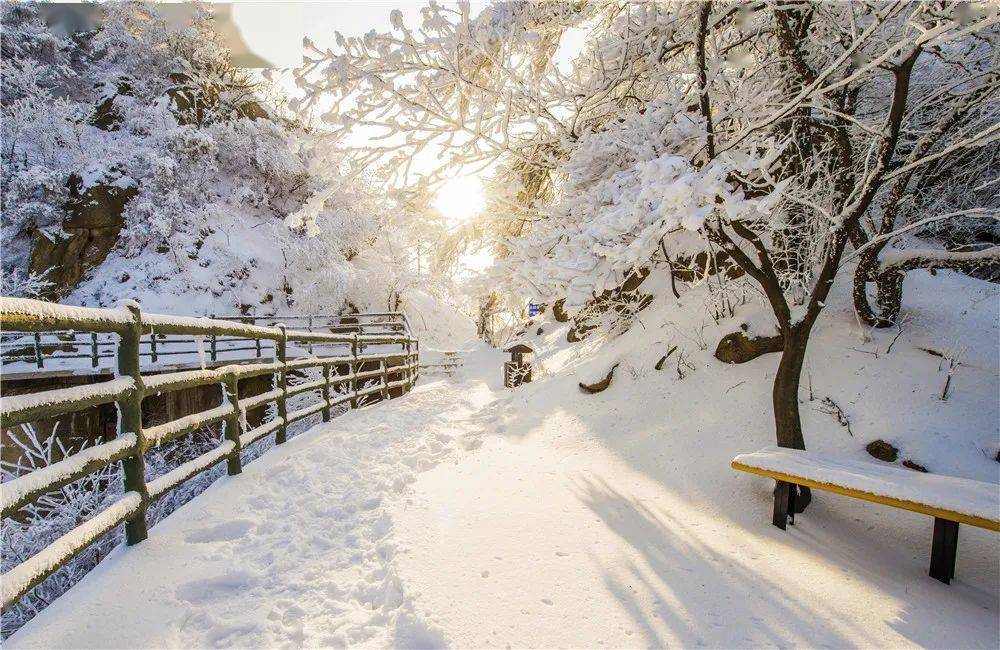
<point x="785" y="400"/>
<point x="889" y="278"/>
<point x="867" y="271"/>
<point x="785" y="395"/>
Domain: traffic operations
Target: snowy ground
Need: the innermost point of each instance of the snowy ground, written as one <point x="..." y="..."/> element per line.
<point x="468" y="515"/>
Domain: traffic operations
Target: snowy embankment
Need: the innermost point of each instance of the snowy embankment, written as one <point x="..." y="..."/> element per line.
<point x="564" y="519"/>
<point x="615" y="520"/>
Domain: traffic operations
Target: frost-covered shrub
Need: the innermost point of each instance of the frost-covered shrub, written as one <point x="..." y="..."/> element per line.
<point x="39" y="128"/>
<point x="51" y="516"/>
<point x="58" y="512"/>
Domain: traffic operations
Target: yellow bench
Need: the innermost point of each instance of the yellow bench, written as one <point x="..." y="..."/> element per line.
<point x="949" y="499"/>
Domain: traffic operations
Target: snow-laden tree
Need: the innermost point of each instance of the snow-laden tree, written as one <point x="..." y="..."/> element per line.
<point x="453" y="93"/>
<point x="41" y="133"/>
<point x="773" y="132"/>
<point x="942" y="191"/>
<point x="222" y="203"/>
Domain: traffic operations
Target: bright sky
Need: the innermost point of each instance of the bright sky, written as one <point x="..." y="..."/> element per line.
<point x="274" y="31"/>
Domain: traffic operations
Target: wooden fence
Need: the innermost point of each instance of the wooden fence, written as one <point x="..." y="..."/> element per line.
<point x="347" y="378"/>
<point x="23" y="353"/>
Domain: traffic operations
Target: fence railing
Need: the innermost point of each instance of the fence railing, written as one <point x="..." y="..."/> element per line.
<point x="347" y="378"/>
<point x="26" y="349"/>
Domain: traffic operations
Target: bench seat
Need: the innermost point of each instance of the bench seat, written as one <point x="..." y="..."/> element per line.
<point x="950" y="500"/>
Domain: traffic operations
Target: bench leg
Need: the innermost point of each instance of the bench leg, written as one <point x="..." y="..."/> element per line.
<point x="784" y="504"/>
<point x="943" y="550"/>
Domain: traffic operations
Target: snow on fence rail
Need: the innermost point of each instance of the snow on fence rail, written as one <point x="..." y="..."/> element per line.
<point x="129" y="325"/>
<point x="26" y="347"/>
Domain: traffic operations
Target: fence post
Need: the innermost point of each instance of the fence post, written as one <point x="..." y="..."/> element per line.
<point x="281" y="348"/>
<point x="38" y="350"/>
<point x="232" y="429"/>
<point x="354" y="370"/>
<point x="416" y="360"/>
<point x="309" y="327"/>
<point x="152" y="347"/>
<point x="385" y="378"/>
<point x="94" y="351"/>
<point x="326" y="392"/>
<point x="408" y="364"/>
<point x="130" y="421"/>
<point x="212" y="343"/>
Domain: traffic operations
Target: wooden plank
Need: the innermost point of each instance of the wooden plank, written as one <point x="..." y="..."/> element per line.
<point x="913" y="506"/>
<point x="23" y="490"/>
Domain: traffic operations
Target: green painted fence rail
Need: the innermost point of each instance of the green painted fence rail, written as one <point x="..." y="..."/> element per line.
<point x="347" y="378"/>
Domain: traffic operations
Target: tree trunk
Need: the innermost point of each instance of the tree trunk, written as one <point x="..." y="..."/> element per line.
<point x="890" y="296"/>
<point x="889" y="277"/>
<point x="788" y="426"/>
<point x="888" y="302"/>
<point x="785" y="397"/>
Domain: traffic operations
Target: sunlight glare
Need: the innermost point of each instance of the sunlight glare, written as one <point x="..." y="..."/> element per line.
<point x="460" y="199"/>
<point x="478" y="261"/>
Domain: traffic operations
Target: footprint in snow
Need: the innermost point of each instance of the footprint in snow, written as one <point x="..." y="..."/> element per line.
<point x="224" y="532"/>
<point x="229" y="584"/>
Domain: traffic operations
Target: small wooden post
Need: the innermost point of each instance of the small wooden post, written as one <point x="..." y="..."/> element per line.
<point x="517" y="371"/>
<point x="408" y="365"/>
<point x="309" y="327"/>
<point x="385" y="378"/>
<point x="281" y="348"/>
<point x="130" y="421"/>
<point x="95" y="356"/>
<point x="152" y="347"/>
<point x="354" y="370"/>
<point x="944" y="547"/>
<point x="211" y="342"/>
<point x="326" y="392"/>
<point x="38" y="350"/>
<point x="232" y="429"/>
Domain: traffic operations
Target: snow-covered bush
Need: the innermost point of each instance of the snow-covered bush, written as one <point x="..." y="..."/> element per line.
<point x="51" y="516"/>
<point x="628" y="188"/>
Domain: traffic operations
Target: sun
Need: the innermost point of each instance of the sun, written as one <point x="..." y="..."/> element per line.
<point x="460" y="199"/>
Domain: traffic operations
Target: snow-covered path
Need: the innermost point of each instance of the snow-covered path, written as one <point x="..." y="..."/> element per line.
<point x="470" y="516"/>
<point x="607" y="527"/>
<point x="297" y="551"/>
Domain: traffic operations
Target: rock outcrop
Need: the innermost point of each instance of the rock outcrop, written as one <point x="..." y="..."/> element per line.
<point x="89" y="232"/>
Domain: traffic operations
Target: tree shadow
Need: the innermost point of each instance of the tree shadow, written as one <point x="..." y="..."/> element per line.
<point x="700" y="596"/>
<point x="690" y="589"/>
